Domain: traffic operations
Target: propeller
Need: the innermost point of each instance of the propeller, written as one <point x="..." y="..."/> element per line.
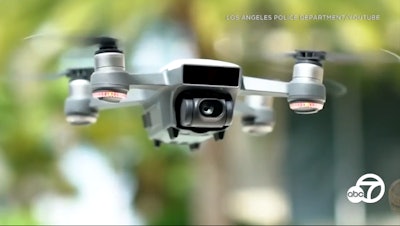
<point x="382" y="56"/>
<point x="105" y="43"/>
<point x="334" y="88"/>
<point x="73" y="73"/>
<point x="392" y="53"/>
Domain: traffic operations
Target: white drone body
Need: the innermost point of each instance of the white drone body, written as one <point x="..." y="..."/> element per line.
<point x="190" y="101"/>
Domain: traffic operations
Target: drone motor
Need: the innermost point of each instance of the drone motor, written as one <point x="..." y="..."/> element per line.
<point x="109" y="62"/>
<point x="306" y="93"/>
<point x="77" y="105"/>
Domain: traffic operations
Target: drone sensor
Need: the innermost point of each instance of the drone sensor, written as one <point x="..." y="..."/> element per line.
<point x="306" y="107"/>
<point x="109" y="95"/>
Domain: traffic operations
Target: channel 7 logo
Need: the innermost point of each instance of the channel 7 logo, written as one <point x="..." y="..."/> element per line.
<point x="356" y="194"/>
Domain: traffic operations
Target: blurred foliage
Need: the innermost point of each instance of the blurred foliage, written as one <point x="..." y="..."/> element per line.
<point x="33" y="133"/>
<point x="17" y="217"/>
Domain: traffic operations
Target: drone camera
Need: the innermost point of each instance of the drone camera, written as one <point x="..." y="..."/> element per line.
<point x="205" y="112"/>
<point x="197" y="111"/>
<point x="211" y="108"/>
<point x="77" y="105"/>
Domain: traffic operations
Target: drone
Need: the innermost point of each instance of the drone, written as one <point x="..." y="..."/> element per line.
<point x="190" y="101"/>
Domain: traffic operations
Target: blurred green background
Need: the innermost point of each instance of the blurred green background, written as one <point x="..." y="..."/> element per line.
<point x="110" y="173"/>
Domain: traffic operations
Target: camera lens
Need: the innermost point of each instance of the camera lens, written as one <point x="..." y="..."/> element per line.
<point x="211" y="108"/>
<point x="207" y="110"/>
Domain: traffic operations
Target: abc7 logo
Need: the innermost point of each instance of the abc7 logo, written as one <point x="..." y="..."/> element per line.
<point x="356" y="194"/>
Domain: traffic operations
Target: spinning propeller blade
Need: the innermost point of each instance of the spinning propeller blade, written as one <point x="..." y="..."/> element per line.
<point x="105" y="43"/>
<point x="73" y="73"/>
<point x="382" y="56"/>
<point x="334" y="88"/>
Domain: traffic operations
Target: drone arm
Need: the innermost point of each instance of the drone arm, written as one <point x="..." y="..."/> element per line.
<point x="152" y="80"/>
<point x="263" y="87"/>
